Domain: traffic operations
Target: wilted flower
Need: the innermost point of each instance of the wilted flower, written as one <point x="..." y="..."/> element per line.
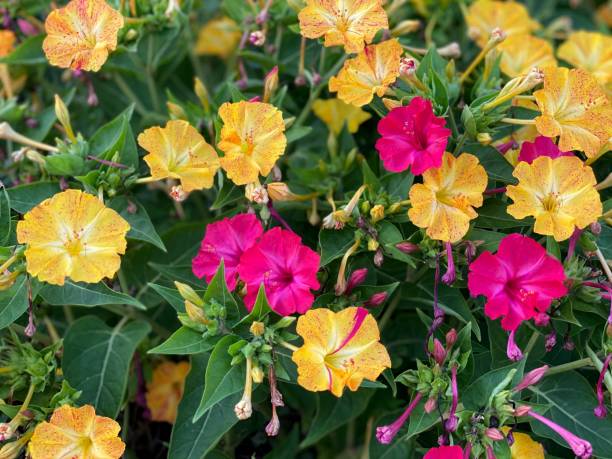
<point x="72" y="234"/>
<point x="340" y="350"/>
<point x="79" y="431"/>
<point x="519" y="281"/>
<point x="336" y="114"/>
<point x="520" y="53"/>
<point x="82" y="34"/>
<point x="226" y="240"/>
<point x="257" y="38"/>
<point x="591" y="51"/>
<point x="218" y="37"/>
<point x="165" y="390"/>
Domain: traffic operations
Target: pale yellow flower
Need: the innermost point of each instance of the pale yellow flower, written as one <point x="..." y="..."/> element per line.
<point x="521" y="53"/>
<point x="335" y="114"/>
<point x="219" y="37"/>
<point x="524" y="447"/>
<point x="165" y="390"/>
<point x="591" y="51"/>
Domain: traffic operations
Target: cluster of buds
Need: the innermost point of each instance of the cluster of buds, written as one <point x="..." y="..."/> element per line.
<point x="204" y="317"/>
<point x="338" y="218"/>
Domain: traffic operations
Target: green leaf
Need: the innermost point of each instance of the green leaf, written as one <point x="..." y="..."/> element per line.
<point x="571" y="400"/>
<point x="260" y="310"/>
<point x="171" y="295"/>
<point x="369" y="177"/>
<point x="81" y="294"/>
<point x="420" y="421"/>
<point x="13" y="302"/>
<point x="334" y="244"/>
<point x="297" y="132"/>
<point x="228" y="194"/>
<point x="141" y="227"/>
<point x="64" y="164"/>
<point x="192" y="440"/>
<point x="493" y="161"/>
<point x="217" y="290"/>
<point x="222" y="379"/>
<point x="493" y="214"/>
<point x="184" y="341"/>
<point x="5" y="216"/>
<point x="97" y="360"/>
<point x="477" y="394"/>
<point x="116" y="136"/>
<point x="24" y="197"/>
<point x="29" y="52"/>
<point x="334" y="412"/>
<point x="552" y="247"/>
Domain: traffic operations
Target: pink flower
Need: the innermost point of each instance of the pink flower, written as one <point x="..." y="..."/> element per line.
<point x="385" y="434"/>
<point x="541" y="146"/>
<point x="580" y="447"/>
<point x="445" y="452"/>
<point x="412" y="136"/>
<point x="519" y="281"/>
<point x="226" y="239"/>
<point x="286" y="268"/>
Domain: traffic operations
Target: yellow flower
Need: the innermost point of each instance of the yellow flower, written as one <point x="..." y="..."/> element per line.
<point x="72" y="234"/>
<point x="81" y="35"/>
<point x="7" y="42"/>
<point x="335" y="114"/>
<point x="340" y="349"/>
<point x="484" y="16"/>
<point x="560" y="193"/>
<point x="371" y="72"/>
<point x="218" y="37"/>
<point x="444" y="203"/>
<point x="179" y="151"/>
<point x="590" y="51"/>
<point x="575" y="108"/>
<point x="165" y="390"/>
<point x="520" y="53"/>
<point x="524" y="447"/>
<point x="252" y="139"/>
<point x="76" y="433"/>
<point x="352" y="23"/>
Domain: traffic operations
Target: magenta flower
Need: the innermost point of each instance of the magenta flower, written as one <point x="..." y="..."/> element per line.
<point x="580" y="447"/>
<point x="412" y="136"/>
<point x="601" y="410"/>
<point x="445" y="452"/>
<point x="531" y="378"/>
<point x="385" y="434"/>
<point x="541" y="146"/>
<point x="519" y="281"/>
<point x="226" y="239"/>
<point x="286" y="268"/>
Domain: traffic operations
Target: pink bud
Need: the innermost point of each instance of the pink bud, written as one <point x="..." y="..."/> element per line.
<point x="376" y="300"/>
<point x="27" y="28"/>
<point x="522" y="410"/>
<point x="356" y="279"/>
<point x="451" y="338"/>
<point x="542" y="319"/>
<point x="551" y="341"/>
<point x="513" y="352"/>
<point x="494" y="434"/>
<point x="379" y="258"/>
<point x="595" y="228"/>
<point x="439" y="353"/>
<point x="407" y="247"/>
<point x="430" y="405"/>
<point x="532" y="378"/>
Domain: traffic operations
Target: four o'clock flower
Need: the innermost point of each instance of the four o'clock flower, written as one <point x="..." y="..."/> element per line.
<point x="541" y="146"/>
<point x="451" y="423"/>
<point x="600" y="410"/>
<point x="445" y="452"/>
<point x="385" y="434"/>
<point x="580" y="447"/>
<point x="512" y="350"/>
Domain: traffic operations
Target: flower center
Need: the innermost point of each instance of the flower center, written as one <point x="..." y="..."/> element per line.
<point x="74" y="247"/>
<point x="550" y="202"/>
<point x="247" y="147"/>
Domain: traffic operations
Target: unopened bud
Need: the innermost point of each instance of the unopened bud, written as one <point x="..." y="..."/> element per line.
<point x="196" y="313"/>
<point x="257" y="328"/>
<point x="405" y="27"/>
<point x="176" y="111"/>
<point x="357" y="277"/>
<point x="595" y="228"/>
<point x="202" y="93"/>
<point x="484" y="138"/>
<point x="390" y="104"/>
<point x="188" y="293"/>
<point x="498" y="35"/>
<point x="379" y="258"/>
<point x="373" y="244"/>
<point x="451" y="338"/>
<point x="407" y="247"/>
<point x="257" y="38"/>
<point x="532" y="378"/>
<point x="27" y="28"/>
<point x="257" y="374"/>
<point x="270" y="84"/>
<point x="131" y="34"/>
<point x="284" y="322"/>
<point x="376" y="299"/>
<point x="395" y="207"/>
<point x="439" y="353"/>
<point x="522" y="410"/>
<point x="61" y="111"/>
<point x="452" y="51"/>
<point x="377" y="213"/>
<point x="430" y="405"/>
<point x="279" y="191"/>
<point x="494" y="434"/>
<point x="541" y="319"/>
<point x="551" y="341"/>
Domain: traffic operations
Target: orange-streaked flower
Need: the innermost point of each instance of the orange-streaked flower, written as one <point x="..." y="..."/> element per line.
<point x="575" y="108"/>
<point x="484" y="16"/>
<point x="371" y="72"/>
<point x="82" y="34"/>
<point x="219" y="37"/>
<point x="340" y="350"/>
<point x="524" y="447"/>
<point x="252" y="138"/>
<point x="560" y="193"/>
<point x="521" y="53"/>
<point x="72" y="234"/>
<point x="7" y="42"/>
<point x="335" y="114"/>
<point x="352" y="23"/>
<point x="180" y="152"/>
<point x="165" y="390"/>
<point x="591" y="51"/>
<point x="444" y="203"/>
<point x="76" y="433"/>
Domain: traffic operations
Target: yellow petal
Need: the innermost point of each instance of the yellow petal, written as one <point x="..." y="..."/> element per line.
<point x="520" y="53"/>
<point x="591" y="51"/>
<point x="335" y="114"/>
<point x="165" y="390"/>
<point x="219" y="37"/>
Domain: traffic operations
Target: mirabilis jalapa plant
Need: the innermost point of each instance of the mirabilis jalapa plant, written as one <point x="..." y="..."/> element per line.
<point x="305" y="228"/>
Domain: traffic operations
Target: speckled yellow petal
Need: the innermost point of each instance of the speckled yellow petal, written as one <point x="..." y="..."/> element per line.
<point x="591" y="51"/>
<point x="524" y="447"/>
<point x="165" y="390"/>
<point x="335" y="114"/>
<point x="520" y="53"/>
<point x="318" y="328"/>
<point x="219" y="37"/>
<point x="312" y="372"/>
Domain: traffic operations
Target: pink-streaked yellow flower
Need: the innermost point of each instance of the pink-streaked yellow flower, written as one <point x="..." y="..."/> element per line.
<point x="219" y="37"/>
<point x="76" y="433"/>
<point x="521" y="53"/>
<point x="7" y="42"/>
<point x="371" y="72"/>
<point x="524" y="447"/>
<point x="444" y="203"/>
<point x="590" y="51"/>
<point x="180" y="152"/>
<point x="484" y="16"/>
<point x="559" y="193"/>
<point x="81" y="35"/>
<point x="351" y="23"/>
<point x="165" y="390"/>
<point x="72" y="234"/>
<point x="575" y="108"/>
<point x="252" y="138"/>
<point x="335" y="114"/>
<point x="340" y="350"/>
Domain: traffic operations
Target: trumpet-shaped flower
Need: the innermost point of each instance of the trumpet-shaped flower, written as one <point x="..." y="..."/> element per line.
<point x="559" y="193"/>
<point x="591" y="51"/>
<point x="165" y="390"/>
<point x="351" y="23"/>
<point x="445" y="452"/>
<point x="286" y="268"/>
<point x="76" y="433"/>
<point x="340" y="350"/>
<point x="252" y="139"/>
<point x="519" y="281"/>
<point x="335" y="114"/>
<point x="541" y="146"/>
<point x="444" y="203"/>
<point x="226" y="240"/>
<point x="81" y="35"/>
<point x="412" y="136"/>
<point x="180" y="152"/>
<point x="219" y="37"/>
<point x="72" y="234"/>
<point x="371" y="72"/>
<point x="575" y="108"/>
<point x="484" y="16"/>
<point x="521" y="53"/>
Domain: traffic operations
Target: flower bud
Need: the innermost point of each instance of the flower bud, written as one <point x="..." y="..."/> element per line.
<point x="498" y="35"/>
<point x="202" y="93"/>
<point x="279" y="191"/>
<point x="430" y="405"/>
<point x="195" y="313"/>
<point x="284" y="322"/>
<point x="254" y="192"/>
<point x="61" y="111"/>
<point x="270" y="84"/>
<point x="376" y="299"/>
<point x="257" y="374"/>
<point x="257" y="328"/>
<point x="27" y="28"/>
<point x="407" y="247"/>
<point x="356" y="279"/>
<point x="189" y="294"/>
<point x="377" y="213"/>
<point x="551" y="341"/>
<point x="541" y="319"/>
<point x="373" y="244"/>
<point x="494" y="434"/>
<point x="438" y="353"/>
<point x="379" y="258"/>
<point x="595" y="228"/>
<point x="176" y="111"/>
<point x="257" y="38"/>
<point x="405" y="27"/>
<point x="451" y="338"/>
<point x="484" y="138"/>
<point x="532" y="378"/>
<point x="390" y="104"/>
<point x="451" y="51"/>
<point x="243" y="409"/>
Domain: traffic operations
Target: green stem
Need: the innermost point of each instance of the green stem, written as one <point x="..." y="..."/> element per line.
<point x="532" y="341"/>
<point x="599" y="366"/>
<point x="575" y="365"/>
<point x="460" y="143"/>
